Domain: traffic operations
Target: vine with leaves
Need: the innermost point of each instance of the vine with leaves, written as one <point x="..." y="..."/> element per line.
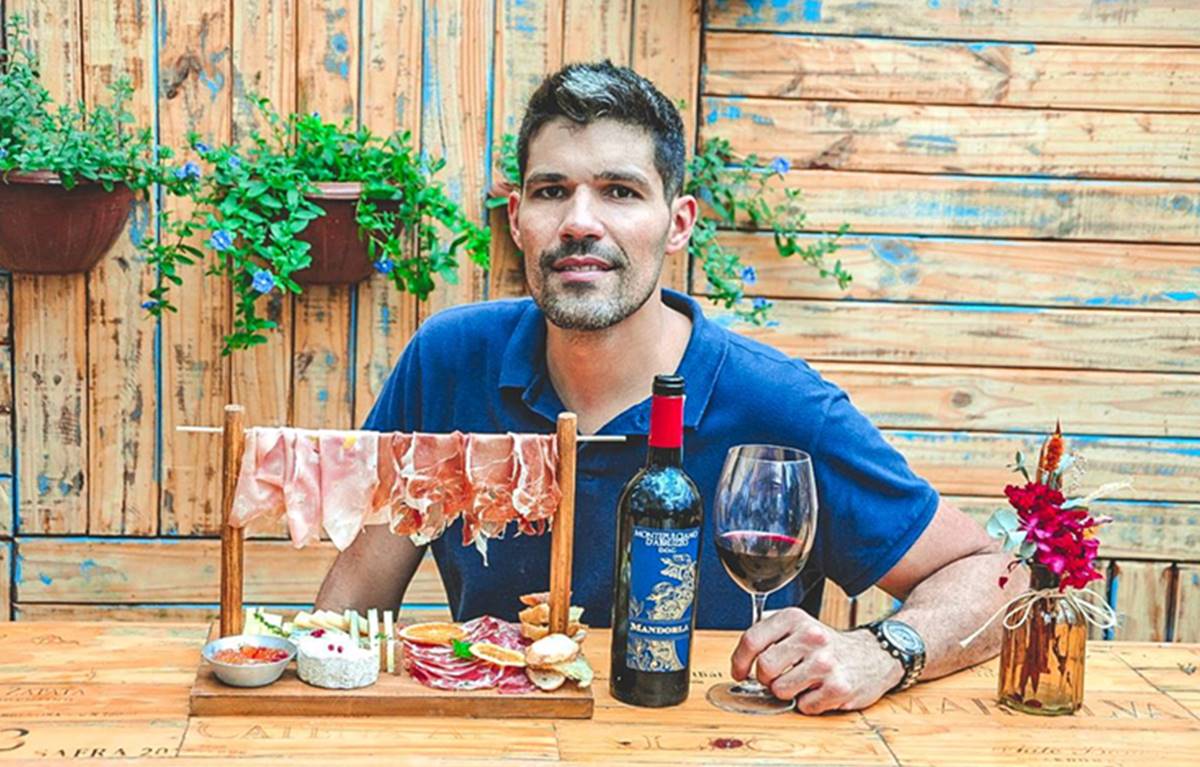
<point x="80" y="144"/>
<point x="252" y="202"/>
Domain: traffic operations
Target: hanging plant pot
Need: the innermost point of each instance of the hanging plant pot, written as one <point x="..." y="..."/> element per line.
<point x="46" y="229"/>
<point x="339" y="256"/>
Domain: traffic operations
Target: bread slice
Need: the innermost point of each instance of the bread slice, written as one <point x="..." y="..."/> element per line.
<point x="545" y="679"/>
<point x="551" y="650"/>
<point x="576" y="631"/>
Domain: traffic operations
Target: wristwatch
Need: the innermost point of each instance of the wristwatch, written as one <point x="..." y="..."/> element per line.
<point x="903" y="643"/>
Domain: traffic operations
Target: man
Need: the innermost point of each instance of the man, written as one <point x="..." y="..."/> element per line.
<point x="602" y="158"/>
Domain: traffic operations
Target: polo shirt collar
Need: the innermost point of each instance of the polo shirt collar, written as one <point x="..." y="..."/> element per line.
<point x="524" y="367"/>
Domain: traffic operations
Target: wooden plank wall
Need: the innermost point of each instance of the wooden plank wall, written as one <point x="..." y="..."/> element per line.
<point x="111" y="512"/>
<point x="1022" y="185"/>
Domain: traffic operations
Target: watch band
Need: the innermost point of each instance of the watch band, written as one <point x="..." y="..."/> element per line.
<point x="913" y="663"/>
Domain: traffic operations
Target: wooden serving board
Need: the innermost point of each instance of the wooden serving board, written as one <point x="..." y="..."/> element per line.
<point x="393" y="695"/>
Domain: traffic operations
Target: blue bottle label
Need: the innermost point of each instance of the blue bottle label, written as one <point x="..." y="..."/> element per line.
<point x="662" y="591"/>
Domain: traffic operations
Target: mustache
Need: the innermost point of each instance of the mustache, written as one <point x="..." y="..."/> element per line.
<point x="584" y="247"/>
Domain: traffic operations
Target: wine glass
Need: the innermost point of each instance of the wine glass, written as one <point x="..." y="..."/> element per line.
<point x="765" y="517"/>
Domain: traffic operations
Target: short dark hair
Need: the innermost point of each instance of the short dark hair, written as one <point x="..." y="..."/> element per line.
<point x="584" y="93"/>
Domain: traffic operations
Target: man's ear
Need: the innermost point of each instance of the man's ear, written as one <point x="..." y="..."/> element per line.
<point x="514" y="216"/>
<point x="684" y="210"/>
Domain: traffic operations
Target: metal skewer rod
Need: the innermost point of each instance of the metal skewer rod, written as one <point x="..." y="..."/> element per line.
<point x="579" y="438"/>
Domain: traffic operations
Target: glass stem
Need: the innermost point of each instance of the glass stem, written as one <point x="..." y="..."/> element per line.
<point x="751" y="685"/>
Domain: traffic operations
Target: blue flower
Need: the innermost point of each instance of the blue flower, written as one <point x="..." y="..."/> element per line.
<point x="264" y="281"/>
<point x="221" y="240"/>
<point x="149" y="304"/>
<point x="203" y="148"/>
<point x="317" y="115"/>
<point x="189" y="170"/>
<point x="749" y="276"/>
<point x="761" y="303"/>
<point x="234" y="162"/>
<point x="781" y="165"/>
<point x="384" y="265"/>
<point x="3" y="152"/>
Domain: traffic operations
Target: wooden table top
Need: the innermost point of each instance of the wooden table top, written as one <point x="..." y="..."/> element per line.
<point x="80" y="691"/>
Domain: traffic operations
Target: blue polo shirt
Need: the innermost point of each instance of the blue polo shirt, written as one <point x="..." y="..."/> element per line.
<point x="482" y="368"/>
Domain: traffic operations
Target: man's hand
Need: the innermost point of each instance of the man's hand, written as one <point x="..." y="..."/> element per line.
<point x="824" y="669"/>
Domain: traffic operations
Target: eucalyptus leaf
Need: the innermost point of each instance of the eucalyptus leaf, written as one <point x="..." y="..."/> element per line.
<point x="1002" y="522"/>
<point x="1013" y="539"/>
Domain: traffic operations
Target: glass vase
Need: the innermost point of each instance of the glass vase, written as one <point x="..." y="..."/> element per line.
<point x="1041" y="661"/>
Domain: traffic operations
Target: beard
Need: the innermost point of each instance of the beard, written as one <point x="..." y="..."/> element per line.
<point x="588" y="305"/>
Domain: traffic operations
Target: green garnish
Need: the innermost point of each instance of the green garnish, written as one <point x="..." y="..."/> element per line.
<point x="462" y="650"/>
<point x="270" y="627"/>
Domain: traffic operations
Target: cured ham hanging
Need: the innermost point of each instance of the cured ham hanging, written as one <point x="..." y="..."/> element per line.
<point x="417" y="484"/>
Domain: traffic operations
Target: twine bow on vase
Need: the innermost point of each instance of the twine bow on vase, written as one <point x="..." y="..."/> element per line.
<point x="1043" y="650"/>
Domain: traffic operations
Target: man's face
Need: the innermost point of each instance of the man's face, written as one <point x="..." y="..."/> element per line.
<point x="593" y="223"/>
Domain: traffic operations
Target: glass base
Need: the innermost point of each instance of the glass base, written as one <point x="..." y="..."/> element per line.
<point x="1038" y="708"/>
<point x="742" y="699"/>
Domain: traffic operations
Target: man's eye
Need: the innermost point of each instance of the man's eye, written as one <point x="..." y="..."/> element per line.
<point x="622" y="192"/>
<point x="549" y="192"/>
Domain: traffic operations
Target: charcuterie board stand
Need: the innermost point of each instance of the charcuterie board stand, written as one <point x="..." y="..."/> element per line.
<point x="394" y="694"/>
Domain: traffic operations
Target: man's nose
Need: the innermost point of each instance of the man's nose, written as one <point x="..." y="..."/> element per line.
<point x="581" y="220"/>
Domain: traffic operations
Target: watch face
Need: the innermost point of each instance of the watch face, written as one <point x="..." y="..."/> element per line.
<point x="903" y="636"/>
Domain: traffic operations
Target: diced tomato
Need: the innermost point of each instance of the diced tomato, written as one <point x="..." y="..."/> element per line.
<point x="248" y="654"/>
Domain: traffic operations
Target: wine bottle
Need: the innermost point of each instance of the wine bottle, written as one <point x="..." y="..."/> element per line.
<point x="656" y="566"/>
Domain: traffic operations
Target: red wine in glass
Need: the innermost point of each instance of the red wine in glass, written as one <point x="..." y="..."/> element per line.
<point x="760" y="562"/>
<point x="764" y="521"/>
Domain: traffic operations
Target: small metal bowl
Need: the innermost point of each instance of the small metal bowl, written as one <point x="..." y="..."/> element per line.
<point x="251" y="674"/>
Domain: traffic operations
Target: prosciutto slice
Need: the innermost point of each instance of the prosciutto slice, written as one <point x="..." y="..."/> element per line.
<point x="389" y="491"/>
<point x="417" y="484"/>
<point x="259" y="490"/>
<point x="302" y="487"/>
<point x="435" y="483"/>
<point x="491" y="473"/>
<point x="402" y="518"/>
<point x="349" y="476"/>
<point x="535" y="494"/>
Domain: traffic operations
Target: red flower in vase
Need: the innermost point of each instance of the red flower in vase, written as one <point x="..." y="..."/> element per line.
<point x="1062" y="538"/>
<point x="1047" y="529"/>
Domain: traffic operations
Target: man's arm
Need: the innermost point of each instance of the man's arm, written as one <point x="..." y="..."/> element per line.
<point x="373" y="572"/>
<point x="948" y="579"/>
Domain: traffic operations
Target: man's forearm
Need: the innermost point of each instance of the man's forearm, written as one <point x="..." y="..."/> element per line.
<point x="954" y="602"/>
<point x="373" y="572"/>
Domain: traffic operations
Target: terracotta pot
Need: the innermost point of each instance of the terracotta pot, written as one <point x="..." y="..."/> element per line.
<point x="46" y="229"/>
<point x="339" y="257"/>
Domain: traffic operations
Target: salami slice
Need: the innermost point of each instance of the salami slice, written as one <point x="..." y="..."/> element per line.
<point x="438" y="667"/>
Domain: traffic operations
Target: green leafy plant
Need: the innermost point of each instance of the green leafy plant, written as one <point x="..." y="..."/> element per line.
<point x="99" y="144"/>
<point x="462" y="650"/>
<point x="733" y="191"/>
<point x="252" y="203"/>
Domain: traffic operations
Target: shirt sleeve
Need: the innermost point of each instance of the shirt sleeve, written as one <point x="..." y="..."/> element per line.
<point x="871" y="505"/>
<point x="398" y="406"/>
